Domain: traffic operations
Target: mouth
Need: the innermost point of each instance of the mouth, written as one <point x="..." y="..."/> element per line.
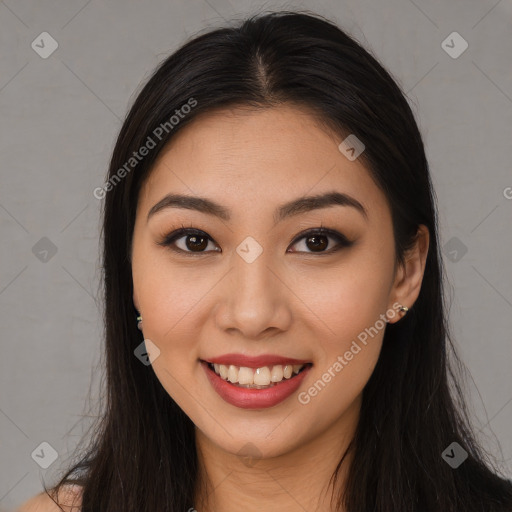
<point x="259" y="386"/>
<point x="263" y="377"/>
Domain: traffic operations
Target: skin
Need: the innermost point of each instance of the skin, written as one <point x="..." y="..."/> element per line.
<point x="69" y="499"/>
<point x="302" y="304"/>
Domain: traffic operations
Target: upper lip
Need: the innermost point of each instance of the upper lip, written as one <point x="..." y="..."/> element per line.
<point x="254" y="361"/>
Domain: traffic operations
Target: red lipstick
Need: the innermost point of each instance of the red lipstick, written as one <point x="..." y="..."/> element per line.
<point x="251" y="398"/>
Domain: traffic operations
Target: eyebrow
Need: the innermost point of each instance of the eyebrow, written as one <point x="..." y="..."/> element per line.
<point x="292" y="208"/>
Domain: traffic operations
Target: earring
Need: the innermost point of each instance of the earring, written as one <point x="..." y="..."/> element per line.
<point x="403" y="309"/>
<point x="139" y="323"/>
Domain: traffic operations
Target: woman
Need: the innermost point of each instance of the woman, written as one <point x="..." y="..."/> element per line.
<point x="276" y="336"/>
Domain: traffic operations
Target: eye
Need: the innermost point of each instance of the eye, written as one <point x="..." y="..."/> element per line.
<point x="196" y="241"/>
<point x="317" y="240"/>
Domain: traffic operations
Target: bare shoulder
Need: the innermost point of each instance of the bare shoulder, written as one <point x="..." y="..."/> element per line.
<point x="69" y="499"/>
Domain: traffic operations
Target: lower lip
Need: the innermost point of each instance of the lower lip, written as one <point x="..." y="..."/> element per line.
<point x="248" y="398"/>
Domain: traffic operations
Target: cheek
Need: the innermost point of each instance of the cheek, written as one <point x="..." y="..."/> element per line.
<point x="169" y="297"/>
<point x="348" y="303"/>
<point x="170" y="303"/>
<point x="346" y="299"/>
<point x="348" y="350"/>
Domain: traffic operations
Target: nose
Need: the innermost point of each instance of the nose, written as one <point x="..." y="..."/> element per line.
<point x="254" y="300"/>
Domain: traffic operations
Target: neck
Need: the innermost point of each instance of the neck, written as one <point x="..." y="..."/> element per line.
<point x="297" y="480"/>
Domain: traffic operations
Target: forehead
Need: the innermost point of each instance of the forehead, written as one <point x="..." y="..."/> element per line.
<point x="252" y="160"/>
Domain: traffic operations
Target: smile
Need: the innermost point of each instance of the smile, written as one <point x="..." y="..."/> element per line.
<point x="256" y="378"/>
<point x="256" y="386"/>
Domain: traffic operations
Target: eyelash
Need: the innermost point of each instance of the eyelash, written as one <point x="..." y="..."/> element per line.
<point x="169" y="240"/>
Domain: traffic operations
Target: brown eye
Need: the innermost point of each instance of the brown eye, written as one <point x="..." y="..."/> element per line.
<point x="194" y="241"/>
<point x="317" y="241"/>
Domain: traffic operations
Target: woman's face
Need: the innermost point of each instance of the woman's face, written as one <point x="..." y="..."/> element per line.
<point x="252" y="290"/>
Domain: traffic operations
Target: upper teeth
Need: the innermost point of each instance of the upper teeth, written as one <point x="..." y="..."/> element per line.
<point x="260" y="376"/>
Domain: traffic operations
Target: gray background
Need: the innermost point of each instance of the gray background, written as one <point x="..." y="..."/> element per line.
<point x="59" y="120"/>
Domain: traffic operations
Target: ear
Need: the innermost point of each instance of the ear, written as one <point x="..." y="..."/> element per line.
<point x="408" y="279"/>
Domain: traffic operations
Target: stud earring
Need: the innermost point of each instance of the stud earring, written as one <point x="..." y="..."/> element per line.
<point x="139" y="323"/>
<point x="403" y="309"/>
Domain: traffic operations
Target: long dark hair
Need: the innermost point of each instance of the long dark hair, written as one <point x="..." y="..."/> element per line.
<point x="142" y="456"/>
